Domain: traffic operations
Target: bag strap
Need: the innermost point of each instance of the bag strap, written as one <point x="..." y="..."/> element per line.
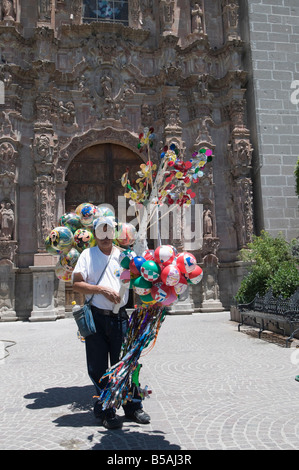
<point x="102" y="274"/>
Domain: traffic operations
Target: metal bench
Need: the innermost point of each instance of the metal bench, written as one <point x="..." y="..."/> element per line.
<point x="275" y="310"/>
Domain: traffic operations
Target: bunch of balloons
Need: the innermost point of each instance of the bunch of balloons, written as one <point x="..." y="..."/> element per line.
<point x="75" y="233"/>
<point x="159" y="276"/>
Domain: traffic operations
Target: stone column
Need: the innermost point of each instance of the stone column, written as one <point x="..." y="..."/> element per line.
<point x="9" y="143"/>
<point x="239" y="158"/>
<point x="44" y="152"/>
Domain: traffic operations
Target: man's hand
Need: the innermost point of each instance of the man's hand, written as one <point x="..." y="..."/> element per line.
<point x="83" y="287"/>
<point x="110" y="294"/>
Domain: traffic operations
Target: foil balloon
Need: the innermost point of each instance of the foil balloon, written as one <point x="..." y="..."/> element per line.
<point x="164" y="255"/>
<point x="83" y="239"/>
<point x="170" y="275"/>
<point x="195" y="276"/>
<point x="62" y="273"/>
<point x="150" y="271"/>
<point x="186" y="262"/>
<point x="61" y="239"/>
<point x="88" y="213"/>
<point x="49" y="247"/>
<point x="70" y="220"/>
<point x="68" y="261"/>
<point x="126" y="235"/>
<point x="105" y="211"/>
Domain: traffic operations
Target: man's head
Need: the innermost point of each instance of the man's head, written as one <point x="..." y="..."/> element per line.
<point x="104" y="230"/>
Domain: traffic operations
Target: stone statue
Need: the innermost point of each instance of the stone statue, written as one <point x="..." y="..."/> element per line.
<point x="7" y="221"/>
<point x="207" y="223"/>
<point x="7" y="10"/>
<point x="197" y="18"/>
<point x="44" y="9"/>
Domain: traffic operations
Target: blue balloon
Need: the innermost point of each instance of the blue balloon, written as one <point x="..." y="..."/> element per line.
<point x="138" y="261"/>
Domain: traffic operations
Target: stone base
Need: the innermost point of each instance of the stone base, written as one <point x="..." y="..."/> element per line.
<point x="50" y="315"/>
<point x="207" y="307"/>
<point x="43" y="294"/>
<point x="182" y="307"/>
<point x="9" y="315"/>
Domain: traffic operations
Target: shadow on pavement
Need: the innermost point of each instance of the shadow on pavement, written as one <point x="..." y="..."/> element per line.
<point x="79" y="398"/>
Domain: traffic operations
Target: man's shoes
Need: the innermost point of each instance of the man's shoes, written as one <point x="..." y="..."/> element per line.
<point x="108" y="417"/>
<point x="110" y="420"/>
<point x="140" y="416"/>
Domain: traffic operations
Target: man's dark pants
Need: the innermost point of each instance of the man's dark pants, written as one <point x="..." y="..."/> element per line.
<point x="106" y="343"/>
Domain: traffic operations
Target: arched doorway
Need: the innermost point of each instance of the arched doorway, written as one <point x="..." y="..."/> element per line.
<point x="94" y="176"/>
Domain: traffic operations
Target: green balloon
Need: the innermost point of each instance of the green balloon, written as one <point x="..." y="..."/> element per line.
<point x="142" y="283"/>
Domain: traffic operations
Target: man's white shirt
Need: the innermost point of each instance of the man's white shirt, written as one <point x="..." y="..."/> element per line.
<point x="90" y="265"/>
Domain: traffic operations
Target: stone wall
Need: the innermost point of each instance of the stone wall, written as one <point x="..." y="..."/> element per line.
<point x="271" y="31"/>
<point x="179" y="67"/>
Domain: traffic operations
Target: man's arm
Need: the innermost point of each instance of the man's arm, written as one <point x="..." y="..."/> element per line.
<point x="79" y="285"/>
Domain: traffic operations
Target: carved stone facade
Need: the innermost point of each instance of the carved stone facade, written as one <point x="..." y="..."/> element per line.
<point x="71" y="85"/>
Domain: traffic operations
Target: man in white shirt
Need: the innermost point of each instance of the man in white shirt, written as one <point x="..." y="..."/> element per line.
<point x="106" y="343"/>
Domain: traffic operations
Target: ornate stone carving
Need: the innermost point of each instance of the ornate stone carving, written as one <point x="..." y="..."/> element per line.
<point x="44" y="105"/>
<point x="242" y="198"/>
<point x="45" y="208"/>
<point x="67" y="112"/>
<point x="166" y="16"/>
<point x="230" y="10"/>
<point x="134" y="13"/>
<point x="77" y="9"/>
<point x="240" y="156"/>
<point x="44" y="10"/>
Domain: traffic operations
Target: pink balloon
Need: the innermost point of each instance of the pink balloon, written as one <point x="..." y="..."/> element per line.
<point x="170" y="300"/>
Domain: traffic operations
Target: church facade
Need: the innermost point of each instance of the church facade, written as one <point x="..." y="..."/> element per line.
<point x="80" y="79"/>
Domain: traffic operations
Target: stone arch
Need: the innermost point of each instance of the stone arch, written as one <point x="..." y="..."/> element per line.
<point x="94" y="137"/>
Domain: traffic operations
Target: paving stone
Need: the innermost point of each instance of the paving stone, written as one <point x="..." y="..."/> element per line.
<point x="213" y="388"/>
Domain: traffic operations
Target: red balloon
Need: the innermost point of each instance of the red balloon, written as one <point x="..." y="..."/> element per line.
<point x="196" y="275"/>
<point x="170" y="275"/>
<point x="133" y="268"/>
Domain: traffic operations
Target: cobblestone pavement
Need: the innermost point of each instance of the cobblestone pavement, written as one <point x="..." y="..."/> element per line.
<point x="213" y="388"/>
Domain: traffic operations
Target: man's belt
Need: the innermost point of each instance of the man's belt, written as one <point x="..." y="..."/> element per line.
<point x="109" y="313"/>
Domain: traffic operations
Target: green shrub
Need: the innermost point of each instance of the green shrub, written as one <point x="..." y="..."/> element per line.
<point x="272" y="265"/>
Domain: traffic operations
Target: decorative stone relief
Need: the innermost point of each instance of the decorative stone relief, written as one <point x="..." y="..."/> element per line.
<point x="230" y="10"/>
<point x="9" y="143"/>
<point x="44" y="10"/>
<point x="45" y="208"/>
<point x="166" y="16"/>
<point x="134" y="13"/>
